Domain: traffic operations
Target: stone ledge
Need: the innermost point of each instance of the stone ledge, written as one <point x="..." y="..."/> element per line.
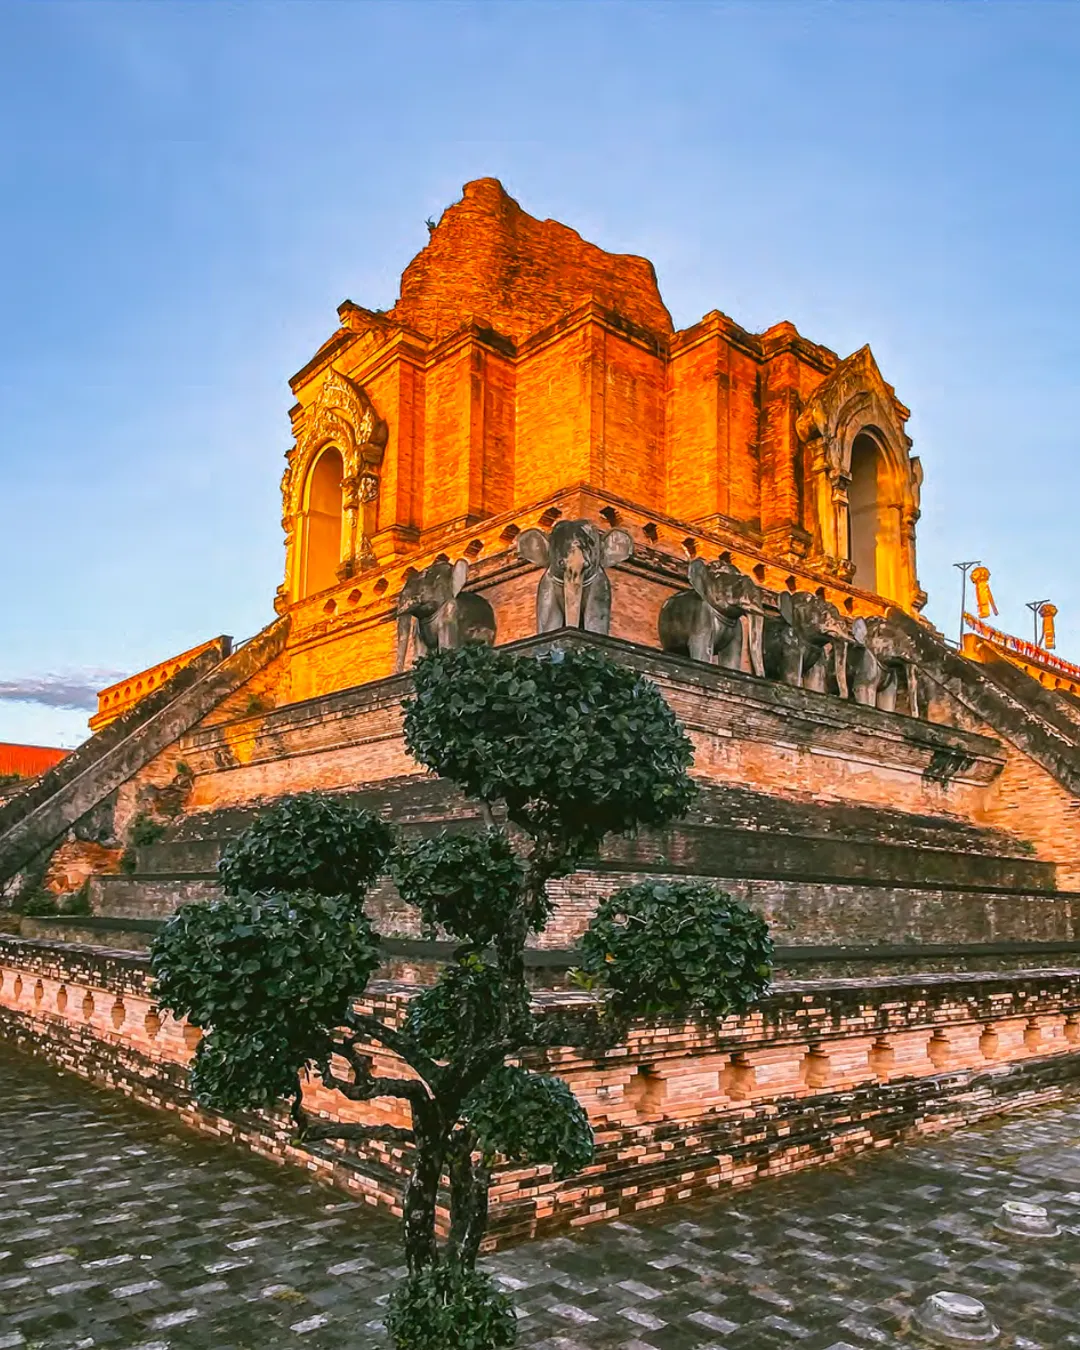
<point x="743" y="705"/>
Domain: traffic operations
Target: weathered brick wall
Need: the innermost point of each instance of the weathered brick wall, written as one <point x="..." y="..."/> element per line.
<point x="76" y="861"/>
<point x="820" y="1071"/>
<point x="489" y="259"/>
<point x="1025" y="799"/>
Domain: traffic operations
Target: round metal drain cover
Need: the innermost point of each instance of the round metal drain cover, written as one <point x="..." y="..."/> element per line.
<point x="1019" y="1219"/>
<point x="955" y="1319"/>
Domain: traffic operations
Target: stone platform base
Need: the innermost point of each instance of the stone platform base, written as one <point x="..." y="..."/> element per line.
<point x="822" y="1070"/>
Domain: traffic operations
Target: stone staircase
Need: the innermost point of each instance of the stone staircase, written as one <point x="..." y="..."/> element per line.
<point x="37" y="818"/>
<point x="829" y="874"/>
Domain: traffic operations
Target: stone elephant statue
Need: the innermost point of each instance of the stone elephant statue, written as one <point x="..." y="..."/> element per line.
<point x="433" y="613"/>
<point x="878" y="664"/>
<point x="807" y="643"/>
<point x="722" y="620"/>
<point x="574" y="591"/>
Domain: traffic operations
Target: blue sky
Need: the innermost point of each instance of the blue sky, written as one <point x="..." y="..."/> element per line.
<point x="190" y="189"/>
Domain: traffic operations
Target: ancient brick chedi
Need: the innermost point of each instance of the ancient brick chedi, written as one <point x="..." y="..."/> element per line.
<point x="524" y="451"/>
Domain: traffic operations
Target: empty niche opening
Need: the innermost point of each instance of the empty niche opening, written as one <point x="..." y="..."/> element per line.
<point x="646" y="1091"/>
<point x="474" y="548"/>
<point x="509" y="534"/>
<point x="865" y="524"/>
<point x="322" y="523"/>
<point x="610" y="515"/>
<point x="651" y="533"/>
<point x="550" y="516"/>
<point x="759" y="572"/>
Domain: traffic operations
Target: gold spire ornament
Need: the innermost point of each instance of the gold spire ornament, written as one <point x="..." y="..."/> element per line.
<point x="984" y="597"/>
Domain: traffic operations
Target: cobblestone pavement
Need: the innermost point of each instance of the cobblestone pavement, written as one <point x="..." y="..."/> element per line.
<point x="118" y="1229"/>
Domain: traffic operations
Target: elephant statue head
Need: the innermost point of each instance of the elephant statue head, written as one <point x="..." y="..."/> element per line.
<point x="809" y="642"/>
<point x="434" y="613"/>
<point x="721" y="620"/>
<point x="879" y="663"/>
<point x="574" y="591"/>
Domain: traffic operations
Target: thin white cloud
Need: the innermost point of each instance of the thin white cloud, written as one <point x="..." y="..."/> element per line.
<point x="78" y="691"/>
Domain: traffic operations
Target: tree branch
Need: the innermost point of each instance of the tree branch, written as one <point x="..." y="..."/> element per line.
<point x="310" y="1130"/>
<point x="366" y="1087"/>
<point x="394" y="1040"/>
<point x="350" y="1132"/>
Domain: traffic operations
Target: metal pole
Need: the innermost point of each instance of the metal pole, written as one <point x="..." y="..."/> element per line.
<point x="964" y="568"/>
<point x="1035" y="606"/>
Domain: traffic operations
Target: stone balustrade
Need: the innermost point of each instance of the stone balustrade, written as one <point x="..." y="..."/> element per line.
<point x="821" y="1070"/>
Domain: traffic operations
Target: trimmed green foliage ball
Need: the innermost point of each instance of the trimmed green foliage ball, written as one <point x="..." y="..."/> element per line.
<point x="572" y="743"/>
<point x="531" y="1118"/>
<point x="467" y="1007"/>
<point x="677" y="949"/>
<point x="268" y="977"/>
<point x="467" y="884"/>
<point x="443" y="1307"/>
<point x="310" y="842"/>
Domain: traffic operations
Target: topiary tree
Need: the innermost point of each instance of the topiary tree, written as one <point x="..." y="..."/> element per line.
<point x="557" y="752"/>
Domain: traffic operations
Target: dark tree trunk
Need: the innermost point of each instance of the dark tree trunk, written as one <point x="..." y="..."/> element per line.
<point x="469" y="1183"/>
<point x="421" y="1193"/>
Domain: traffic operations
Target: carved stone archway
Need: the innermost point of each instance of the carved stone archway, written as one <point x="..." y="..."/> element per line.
<point x="855" y="402"/>
<point x="342" y="416"/>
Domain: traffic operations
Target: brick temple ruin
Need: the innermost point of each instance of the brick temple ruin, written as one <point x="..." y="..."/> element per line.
<point x="524" y="450"/>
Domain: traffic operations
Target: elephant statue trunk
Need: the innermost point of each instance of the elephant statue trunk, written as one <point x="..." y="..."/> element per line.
<point x="574" y="581"/>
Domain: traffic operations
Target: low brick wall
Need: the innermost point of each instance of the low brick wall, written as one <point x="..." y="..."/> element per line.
<point x="823" y="1069"/>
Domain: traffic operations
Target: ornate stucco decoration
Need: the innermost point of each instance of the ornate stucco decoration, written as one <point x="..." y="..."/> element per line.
<point x="342" y="417"/>
<point x="855" y="400"/>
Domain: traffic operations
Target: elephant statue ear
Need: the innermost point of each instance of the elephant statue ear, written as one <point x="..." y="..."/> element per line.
<point x="787" y="608"/>
<point x="698" y="576"/>
<point x="533" y="546"/>
<point x="458" y="575"/>
<point x="858" y="631"/>
<point x="616" y="546"/>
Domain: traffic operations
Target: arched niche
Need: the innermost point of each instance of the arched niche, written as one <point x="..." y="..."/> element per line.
<point x="322" y="518"/>
<point x="875" y="507"/>
<point x="865" y="482"/>
<point x="864" y="510"/>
